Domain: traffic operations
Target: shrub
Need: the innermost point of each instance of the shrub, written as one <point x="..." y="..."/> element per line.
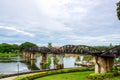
<point x="102" y="76"/>
<point x="47" y="64"/>
<point x="42" y="74"/>
<point x="55" y="60"/>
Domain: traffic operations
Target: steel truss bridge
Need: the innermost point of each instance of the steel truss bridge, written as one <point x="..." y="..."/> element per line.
<point x="76" y="49"/>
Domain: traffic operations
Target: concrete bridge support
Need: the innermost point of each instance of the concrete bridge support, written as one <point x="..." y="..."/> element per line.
<point x="23" y="54"/>
<point x="60" y="64"/>
<point x="32" y="62"/>
<point x="29" y="55"/>
<point x="32" y="56"/>
<point x="43" y="58"/>
<point x="103" y="64"/>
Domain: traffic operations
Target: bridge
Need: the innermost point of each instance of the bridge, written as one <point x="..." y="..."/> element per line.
<point x="104" y="61"/>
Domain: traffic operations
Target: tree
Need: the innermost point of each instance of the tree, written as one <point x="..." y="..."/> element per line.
<point x="102" y="48"/>
<point x="87" y="58"/>
<point x="49" y="45"/>
<point x="111" y="46"/>
<point x="118" y="10"/>
<point x="27" y="45"/>
<point x="16" y="47"/>
<point x="6" y="48"/>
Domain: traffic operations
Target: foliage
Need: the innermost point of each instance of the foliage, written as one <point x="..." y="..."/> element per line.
<point x="119" y="59"/>
<point x="111" y="46"/>
<point x="4" y="47"/>
<point x="102" y="76"/>
<point x="42" y="74"/>
<point x="27" y="45"/>
<point x="55" y="60"/>
<point x="47" y="64"/>
<point x="78" y="58"/>
<point x="1" y="74"/>
<point x="7" y="48"/>
<point x="115" y="68"/>
<point x="49" y="45"/>
<point x="9" y="54"/>
<point x="102" y="48"/>
<point x="115" y="78"/>
<point x="16" y="47"/>
<point x="118" y="10"/>
<point x="87" y="57"/>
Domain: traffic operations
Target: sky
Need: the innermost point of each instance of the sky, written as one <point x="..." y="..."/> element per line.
<point x="61" y="22"/>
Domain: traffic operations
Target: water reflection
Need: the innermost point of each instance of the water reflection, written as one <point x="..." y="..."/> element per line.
<point x="29" y="65"/>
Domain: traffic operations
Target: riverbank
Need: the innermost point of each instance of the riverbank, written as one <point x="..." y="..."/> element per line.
<point x="10" y="54"/>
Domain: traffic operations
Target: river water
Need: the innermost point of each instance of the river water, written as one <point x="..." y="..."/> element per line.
<point x="13" y="64"/>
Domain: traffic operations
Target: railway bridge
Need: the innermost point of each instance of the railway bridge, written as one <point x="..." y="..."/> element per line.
<point x="104" y="61"/>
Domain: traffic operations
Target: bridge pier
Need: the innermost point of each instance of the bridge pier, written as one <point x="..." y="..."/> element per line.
<point x="29" y="55"/>
<point x="59" y="58"/>
<point x="32" y="56"/>
<point x="23" y="54"/>
<point x="32" y="62"/>
<point x="103" y="64"/>
<point x="43" y="58"/>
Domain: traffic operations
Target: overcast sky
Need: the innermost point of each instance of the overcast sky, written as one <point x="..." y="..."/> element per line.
<point x="88" y="22"/>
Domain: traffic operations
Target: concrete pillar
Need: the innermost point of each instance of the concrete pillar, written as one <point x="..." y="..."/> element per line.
<point x="110" y="64"/>
<point x="33" y="56"/>
<point x="27" y="57"/>
<point x="27" y="60"/>
<point x="43" y="58"/>
<point x="60" y="64"/>
<point x="32" y="62"/>
<point x="97" y="65"/>
<point x="103" y="64"/>
<point x="23" y="54"/>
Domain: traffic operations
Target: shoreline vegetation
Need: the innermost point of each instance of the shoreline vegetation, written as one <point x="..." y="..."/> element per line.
<point x="1" y="74"/>
<point x="10" y="54"/>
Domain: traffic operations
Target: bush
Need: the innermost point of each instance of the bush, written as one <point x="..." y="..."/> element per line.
<point x="42" y="74"/>
<point x="102" y="76"/>
<point x="115" y="68"/>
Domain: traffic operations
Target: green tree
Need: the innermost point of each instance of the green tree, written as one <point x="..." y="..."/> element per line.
<point x="118" y="10"/>
<point x="110" y="45"/>
<point x="27" y="45"/>
<point x="102" y="48"/>
<point x="49" y="45"/>
<point x="55" y="61"/>
<point x="87" y="58"/>
<point x="16" y="47"/>
<point x="78" y="58"/>
<point x="6" y="48"/>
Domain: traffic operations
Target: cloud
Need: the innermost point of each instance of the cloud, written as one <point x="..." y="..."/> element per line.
<point x="90" y="22"/>
<point x="15" y="30"/>
<point x="98" y="40"/>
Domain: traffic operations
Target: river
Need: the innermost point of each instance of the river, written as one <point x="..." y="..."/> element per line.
<point x="13" y="64"/>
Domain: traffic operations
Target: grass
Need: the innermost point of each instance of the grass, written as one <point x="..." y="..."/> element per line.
<point x="67" y="76"/>
<point x="9" y="54"/>
<point x="72" y="76"/>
